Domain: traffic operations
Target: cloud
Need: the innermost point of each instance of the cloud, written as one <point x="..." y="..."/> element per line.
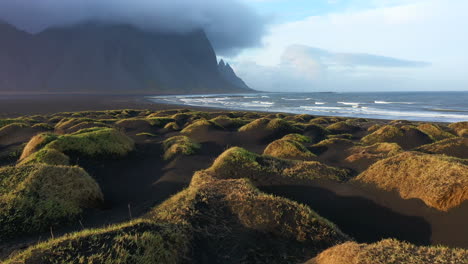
<point x="230" y="24"/>
<point x="304" y="68"/>
<point x="406" y="32"/>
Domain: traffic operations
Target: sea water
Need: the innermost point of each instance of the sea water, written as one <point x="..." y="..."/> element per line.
<point x="415" y="106"/>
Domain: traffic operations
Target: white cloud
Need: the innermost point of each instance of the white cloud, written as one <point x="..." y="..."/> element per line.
<point x="430" y="30"/>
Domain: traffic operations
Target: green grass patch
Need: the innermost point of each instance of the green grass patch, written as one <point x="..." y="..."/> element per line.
<point x="36" y="197"/>
<point x="179" y="145"/>
<point x="390" y="251"/>
<point x="288" y="149"/>
<point x="94" y="142"/>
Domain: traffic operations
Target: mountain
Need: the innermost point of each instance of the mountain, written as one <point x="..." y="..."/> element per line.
<point x="228" y="73"/>
<point x="103" y="58"/>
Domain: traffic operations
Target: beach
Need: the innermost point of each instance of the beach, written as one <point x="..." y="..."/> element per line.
<point x="164" y="146"/>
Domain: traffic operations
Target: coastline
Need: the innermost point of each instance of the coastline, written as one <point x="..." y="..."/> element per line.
<point x="38" y="104"/>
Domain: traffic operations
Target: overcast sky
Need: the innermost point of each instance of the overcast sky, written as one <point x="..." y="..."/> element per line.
<point x="357" y="45"/>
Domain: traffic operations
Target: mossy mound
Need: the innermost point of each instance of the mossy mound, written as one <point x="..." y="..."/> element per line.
<point x="374" y="128"/>
<point x="16" y="133"/>
<point x="233" y="222"/>
<point x="136" y="242"/>
<point x="316" y="133"/>
<point x="343" y="127"/>
<point x="47" y="156"/>
<point x="407" y="137"/>
<point x="455" y="147"/>
<point x="298" y="138"/>
<point x="440" y="181"/>
<point x="460" y="128"/>
<point x="435" y="131"/>
<point x="85" y="125"/>
<point x="361" y="157"/>
<point x="36" y="143"/>
<point x="390" y="251"/>
<point x="302" y="118"/>
<point x="237" y="163"/>
<point x="326" y="120"/>
<point x="201" y="126"/>
<point x="270" y="129"/>
<point x="342" y="136"/>
<point x="288" y="149"/>
<point x="179" y="145"/>
<point x="35" y="197"/>
<point x="94" y="142"/>
<point x="172" y="126"/>
<point x="63" y="126"/>
<point x="230" y="123"/>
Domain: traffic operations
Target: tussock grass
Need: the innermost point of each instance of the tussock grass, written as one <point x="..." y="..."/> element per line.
<point x="237" y="163"/>
<point x="455" y="147"/>
<point x="288" y="149"/>
<point x="407" y="137"/>
<point x="460" y="128"/>
<point x="229" y="122"/>
<point x="361" y="157"/>
<point x="94" y="142"/>
<point x="36" y="143"/>
<point x="440" y="181"/>
<point x="326" y="120"/>
<point x="12" y="128"/>
<point x="172" y="126"/>
<point x="435" y="131"/>
<point x="200" y="126"/>
<point x="223" y="213"/>
<point x="390" y="251"/>
<point x="20" y="120"/>
<point x="47" y="156"/>
<point x="179" y="145"/>
<point x="36" y="197"/>
<point x="342" y="127"/>
<point x="297" y="137"/>
<point x="137" y="242"/>
<point x="43" y="126"/>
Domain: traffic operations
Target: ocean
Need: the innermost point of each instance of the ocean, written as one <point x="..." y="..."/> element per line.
<point x="415" y="106"/>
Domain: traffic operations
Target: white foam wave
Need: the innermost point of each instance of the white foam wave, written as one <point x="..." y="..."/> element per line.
<point x="320" y="103"/>
<point x="385" y="102"/>
<point x="348" y="103"/>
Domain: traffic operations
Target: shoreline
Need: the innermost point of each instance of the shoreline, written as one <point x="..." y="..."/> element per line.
<point x="20" y="105"/>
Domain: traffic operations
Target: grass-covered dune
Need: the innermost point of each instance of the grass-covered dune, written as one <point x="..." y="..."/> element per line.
<point x="36" y="197"/>
<point x="406" y="136"/>
<point x="455" y="147"/>
<point x="237" y="163"/>
<point x="288" y="149"/>
<point x="137" y="242"/>
<point x="187" y="180"/>
<point x="390" y="251"/>
<point x="212" y="221"/>
<point x="182" y="145"/>
<point x="440" y="181"/>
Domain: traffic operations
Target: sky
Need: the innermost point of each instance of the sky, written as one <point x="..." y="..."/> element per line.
<point x="296" y="45"/>
<point x="358" y="45"/>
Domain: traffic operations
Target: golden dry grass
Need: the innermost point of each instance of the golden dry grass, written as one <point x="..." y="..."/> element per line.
<point x="288" y="149"/>
<point x="440" y="181"/>
<point x="390" y="251"/>
<point x="461" y="128"/>
<point x="36" y="143"/>
<point x="455" y="147"/>
<point x="363" y="156"/>
<point x="237" y="163"/>
<point x="435" y="131"/>
<point x="407" y="137"/>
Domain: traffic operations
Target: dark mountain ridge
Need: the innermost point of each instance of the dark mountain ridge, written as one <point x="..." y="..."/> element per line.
<point x="102" y="58"/>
